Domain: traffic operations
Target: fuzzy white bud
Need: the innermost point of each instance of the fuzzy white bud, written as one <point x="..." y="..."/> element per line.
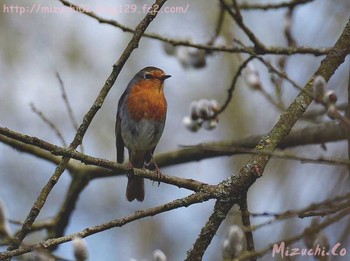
<point x="210" y="124"/>
<point x="252" y="77"/>
<point x="332" y="111"/>
<point x="192" y="125"/>
<point x="330" y="97"/>
<point x="81" y="252"/>
<point x="319" y="88"/>
<point x="220" y="41"/>
<point x="158" y="255"/>
<point x="309" y="238"/>
<point x="194" y="109"/>
<point x="234" y="243"/>
<point x="191" y="57"/>
<point x="169" y="48"/>
<point x="214" y="105"/>
<point x="205" y="109"/>
<point x="322" y="241"/>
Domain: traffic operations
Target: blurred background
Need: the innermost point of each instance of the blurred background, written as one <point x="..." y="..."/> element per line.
<point x="34" y="46"/>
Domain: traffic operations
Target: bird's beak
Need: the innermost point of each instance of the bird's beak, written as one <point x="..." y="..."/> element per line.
<point x="164" y="77"/>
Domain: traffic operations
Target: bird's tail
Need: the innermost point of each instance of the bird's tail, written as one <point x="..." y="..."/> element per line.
<point x="136" y="185"/>
<point x="135" y="188"/>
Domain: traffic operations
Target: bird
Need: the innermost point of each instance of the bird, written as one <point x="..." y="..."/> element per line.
<point x="140" y="122"/>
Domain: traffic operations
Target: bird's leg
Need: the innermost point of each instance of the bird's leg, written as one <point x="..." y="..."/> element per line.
<point x="157" y="170"/>
<point x="130" y="171"/>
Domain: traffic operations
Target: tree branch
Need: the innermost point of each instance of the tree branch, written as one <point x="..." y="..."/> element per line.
<point x="290" y="4"/>
<point x="40" y="202"/>
<point x="184" y="202"/>
<point x="240" y="182"/>
<point x="312" y="229"/>
<point x="243" y="206"/>
<point x="277" y="50"/>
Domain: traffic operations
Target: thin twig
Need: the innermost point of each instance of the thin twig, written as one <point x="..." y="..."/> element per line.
<point x="278" y="81"/>
<point x="232" y="87"/>
<point x="309" y="230"/>
<point x="336" y="114"/>
<point x="321" y="209"/>
<point x="218" y="27"/>
<point x="272" y="6"/>
<point x="178" y="203"/>
<point x="237" y="16"/>
<point x="67" y="103"/>
<point x="275" y="154"/>
<point x="243" y="205"/>
<point x="49" y="123"/>
<point x="206" y="47"/>
<point x="68" y="106"/>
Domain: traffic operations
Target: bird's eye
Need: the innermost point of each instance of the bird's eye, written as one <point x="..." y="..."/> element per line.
<point x="147" y="76"/>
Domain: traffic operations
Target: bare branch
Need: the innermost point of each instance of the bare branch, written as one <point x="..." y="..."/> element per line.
<point x="49" y="123"/>
<point x="232" y="87"/>
<point x="133" y="44"/>
<point x="276" y="154"/>
<point x="68" y="106"/>
<point x="184" y="202"/>
<point x="66" y="102"/>
<point x="291" y="240"/>
<point x="206" y="47"/>
<point x="239" y="183"/>
<point x="93" y="173"/>
<point x="289" y="4"/>
<point x="237" y="16"/>
<point x="243" y="206"/>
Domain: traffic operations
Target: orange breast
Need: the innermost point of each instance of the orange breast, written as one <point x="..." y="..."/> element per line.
<point x="146" y="101"/>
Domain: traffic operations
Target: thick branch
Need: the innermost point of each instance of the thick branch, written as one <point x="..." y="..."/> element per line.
<point x="316" y="134"/>
<point x="240" y="182"/>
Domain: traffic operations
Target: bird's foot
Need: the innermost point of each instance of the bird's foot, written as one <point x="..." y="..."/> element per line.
<point x="159" y="175"/>
<point x="130" y="171"/>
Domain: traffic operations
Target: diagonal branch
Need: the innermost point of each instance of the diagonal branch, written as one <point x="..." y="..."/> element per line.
<point x="237" y="16"/>
<point x="40" y="202"/>
<point x="49" y="123"/>
<point x="239" y="183"/>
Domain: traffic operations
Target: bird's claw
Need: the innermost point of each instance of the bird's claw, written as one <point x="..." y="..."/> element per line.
<point x="159" y="175"/>
<point x="130" y="171"/>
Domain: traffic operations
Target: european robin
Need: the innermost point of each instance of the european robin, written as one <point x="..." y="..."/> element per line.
<point x="140" y="123"/>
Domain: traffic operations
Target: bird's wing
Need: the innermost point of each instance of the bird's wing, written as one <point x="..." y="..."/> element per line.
<point x="119" y="141"/>
<point x="118" y="133"/>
